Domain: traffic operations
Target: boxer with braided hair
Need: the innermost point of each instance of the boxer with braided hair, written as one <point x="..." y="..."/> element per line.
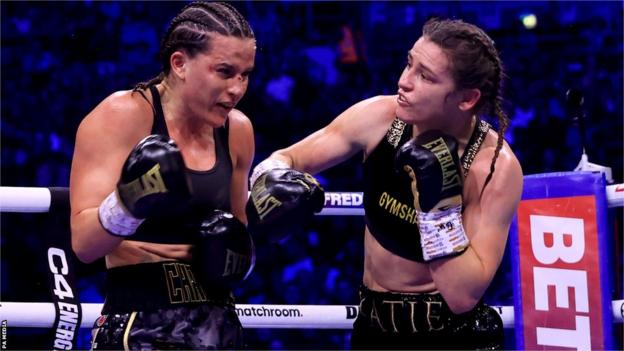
<point x="441" y="188"/>
<point x="476" y="64"/>
<point x="159" y="185"/>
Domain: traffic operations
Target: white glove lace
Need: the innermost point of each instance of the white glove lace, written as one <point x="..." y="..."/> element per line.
<point x="115" y="218"/>
<point x="265" y="166"/>
<point x="442" y="233"/>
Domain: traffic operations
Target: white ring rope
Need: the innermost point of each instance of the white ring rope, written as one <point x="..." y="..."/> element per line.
<point x="19" y="199"/>
<point x="25" y="199"/>
<point x="41" y="315"/>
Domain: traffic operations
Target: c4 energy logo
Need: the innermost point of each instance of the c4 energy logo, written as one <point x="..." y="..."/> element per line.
<point x="68" y="309"/>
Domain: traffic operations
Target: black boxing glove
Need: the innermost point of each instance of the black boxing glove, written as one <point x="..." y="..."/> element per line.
<point x="224" y="252"/>
<point x="432" y="163"/>
<point x="153" y="182"/>
<point x="281" y="200"/>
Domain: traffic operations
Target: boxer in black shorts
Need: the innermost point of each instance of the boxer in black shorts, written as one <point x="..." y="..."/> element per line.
<point x="158" y="187"/>
<point x="389" y="320"/>
<point x="441" y="189"/>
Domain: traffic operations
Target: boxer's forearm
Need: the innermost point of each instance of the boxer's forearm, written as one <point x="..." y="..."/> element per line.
<point x="90" y="240"/>
<point x="461" y="280"/>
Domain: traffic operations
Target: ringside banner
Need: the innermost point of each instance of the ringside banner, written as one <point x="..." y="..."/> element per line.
<point x="559" y="245"/>
<point x="61" y="270"/>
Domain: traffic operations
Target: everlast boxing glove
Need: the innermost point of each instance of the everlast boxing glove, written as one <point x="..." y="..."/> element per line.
<point x="432" y="163"/>
<point x="281" y="200"/>
<point x="153" y="183"/>
<point x="224" y="251"/>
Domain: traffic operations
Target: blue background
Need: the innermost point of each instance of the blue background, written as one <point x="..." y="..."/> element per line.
<point x="60" y="59"/>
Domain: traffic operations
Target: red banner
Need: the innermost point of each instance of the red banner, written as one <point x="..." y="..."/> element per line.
<point x="559" y="274"/>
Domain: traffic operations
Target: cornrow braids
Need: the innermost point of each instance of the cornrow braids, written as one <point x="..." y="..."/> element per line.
<point x="190" y="30"/>
<point x="144" y="85"/>
<point x="476" y="64"/>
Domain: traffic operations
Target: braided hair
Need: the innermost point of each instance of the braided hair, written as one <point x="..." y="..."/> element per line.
<point x="475" y="65"/>
<point x="190" y="31"/>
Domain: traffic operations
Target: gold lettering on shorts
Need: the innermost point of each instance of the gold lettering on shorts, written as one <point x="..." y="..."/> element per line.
<point x="434" y="314"/>
<point x="375" y="315"/>
<point x="412" y="319"/>
<point x="262" y="199"/>
<point x="149" y="183"/>
<point x="450" y="175"/>
<point x="397" y="208"/>
<point x="196" y="292"/>
<point x="362" y="305"/>
<point x="392" y="303"/>
<point x="181" y="284"/>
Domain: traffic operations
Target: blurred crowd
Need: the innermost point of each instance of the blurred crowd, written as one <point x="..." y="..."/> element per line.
<point x="314" y="59"/>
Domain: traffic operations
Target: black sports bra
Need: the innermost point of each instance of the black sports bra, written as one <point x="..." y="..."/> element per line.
<point x="388" y="202"/>
<point x="211" y="188"/>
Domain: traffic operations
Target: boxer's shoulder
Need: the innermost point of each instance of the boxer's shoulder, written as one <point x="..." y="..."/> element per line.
<point x="504" y="183"/>
<point x="120" y="109"/>
<point x="378" y="106"/>
<point x="506" y="164"/>
<point x="129" y="101"/>
<point x="116" y="124"/>
<point x="367" y="121"/>
<point x="240" y="125"/>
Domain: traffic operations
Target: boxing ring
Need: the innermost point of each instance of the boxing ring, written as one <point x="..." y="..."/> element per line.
<point x="44" y="315"/>
<point x="41" y="315"/>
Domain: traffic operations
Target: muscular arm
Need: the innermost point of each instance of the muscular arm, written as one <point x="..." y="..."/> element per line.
<point x="242" y="148"/>
<point x="103" y="141"/>
<point x="463" y="279"/>
<point x="358" y="128"/>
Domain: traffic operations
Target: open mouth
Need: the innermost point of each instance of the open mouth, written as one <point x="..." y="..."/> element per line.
<point x="225" y="105"/>
<point x="401" y="100"/>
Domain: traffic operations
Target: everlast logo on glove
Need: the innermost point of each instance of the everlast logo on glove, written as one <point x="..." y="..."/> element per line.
<point x="149" y="183"/>
<point x="450" y="176"/>
<point x="224" y="252"/>
<point x="432" y="163"/>
<point x="153" y="183"/>
<point x="282" y="199"/>
<point x="262" y="199"/>
<point x="236" y="263"/>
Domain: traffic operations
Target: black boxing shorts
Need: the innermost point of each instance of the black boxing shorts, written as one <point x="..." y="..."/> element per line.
<point x="389" y="320"/>
<point x="161" y="306"/>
